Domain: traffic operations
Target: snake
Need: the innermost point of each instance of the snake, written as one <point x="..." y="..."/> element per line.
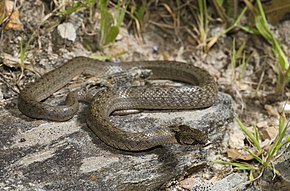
<point x="199" y="91"/>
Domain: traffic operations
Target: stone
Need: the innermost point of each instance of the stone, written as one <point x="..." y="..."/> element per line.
<point x="232" y="182"/>
<point x="269" y="133"/>
<point x="282" y="165"/>
<point x="43" y="155"/>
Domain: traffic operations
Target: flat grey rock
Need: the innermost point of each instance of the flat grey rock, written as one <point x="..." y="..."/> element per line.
<point x="281" y="183"/>
<point x="42" y="155"/>
<point x="283" y="165"/>
<point x="232" y="182"/>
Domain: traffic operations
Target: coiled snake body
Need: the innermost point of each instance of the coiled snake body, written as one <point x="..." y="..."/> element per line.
<point x="200" y="94"/>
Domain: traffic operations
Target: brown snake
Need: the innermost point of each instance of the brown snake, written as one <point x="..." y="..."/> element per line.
<point x="201" y="93"/>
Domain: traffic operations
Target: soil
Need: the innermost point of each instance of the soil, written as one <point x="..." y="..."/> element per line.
<point x="160" y="37"/>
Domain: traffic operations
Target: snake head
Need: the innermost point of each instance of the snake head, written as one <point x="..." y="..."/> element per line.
<point x="189" y="136"/>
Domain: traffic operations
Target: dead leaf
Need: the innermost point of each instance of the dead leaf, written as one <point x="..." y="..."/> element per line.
<point x="10" y="15"/>
<point x="235" y="154"/>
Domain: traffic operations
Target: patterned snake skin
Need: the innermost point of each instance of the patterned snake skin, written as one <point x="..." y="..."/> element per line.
<point x="200" y="93"/>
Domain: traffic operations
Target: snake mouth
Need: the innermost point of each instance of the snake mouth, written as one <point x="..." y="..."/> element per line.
<point x="189" y="136"/>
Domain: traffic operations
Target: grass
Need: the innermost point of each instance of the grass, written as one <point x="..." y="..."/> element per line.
<point x="235" y="24"/>
<point x="23" y="53"/>
<point x="80" y="5"/>
<point x="110" y="26"/>
<point x="137" y="14"/>
<point x="262" y="29"/>
<point x="203" y="19"/>
<point x="109" y="23"/>
<point x="263" y="156"/>
<point x="109" y="29"/>
<point x="241" y="57"/>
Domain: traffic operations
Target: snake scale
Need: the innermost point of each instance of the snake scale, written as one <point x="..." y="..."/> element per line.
<point x="201" y="93"/>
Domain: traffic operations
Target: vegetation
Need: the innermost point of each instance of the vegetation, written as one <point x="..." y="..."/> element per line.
<point x="137" y="14"/>
<point x="262" y="28"/>
<point x="241" y="57"/>
<point x="203" y="20"/>
<point x="23" y="53"/>
<point x="263" y="156"/>
<point x="109" y="23"/>
<point x="195" y="20"/>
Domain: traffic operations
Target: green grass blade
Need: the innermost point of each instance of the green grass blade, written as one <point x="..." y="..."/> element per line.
<point x="121" y="14"/>
<point x="255" y="156"/>
<point x="256" y="134"/>
<point x="111" y="35"/>
<point x="77" y="7"/>
<point x="241" y="50"/>
<point x="260" y="7"/>
<point x="263" y="28"/>
<point x="249" y="30"/>
<point x="252" y="138"/>
<point x="280" y="55"/>
<point x="284" y="143"/>
<point x="251" y="176"/>
<point x="260" y="160"/>
<point x="283" y="125"/>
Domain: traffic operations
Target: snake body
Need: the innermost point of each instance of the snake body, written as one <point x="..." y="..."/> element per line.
<point x="201" y="93"/>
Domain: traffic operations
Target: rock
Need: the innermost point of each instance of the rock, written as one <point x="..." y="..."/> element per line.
<point x="232" y="182"/>
<point x="67" y="31"/>
<point x="282" y="165"/>
<point x="281" y="183"/>
<point x="37" y="154"/>
<point x="236" y="136"/>
<point x="269" y="133"/>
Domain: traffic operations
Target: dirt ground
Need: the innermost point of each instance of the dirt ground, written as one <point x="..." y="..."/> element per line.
<point x="161" y="37"/>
